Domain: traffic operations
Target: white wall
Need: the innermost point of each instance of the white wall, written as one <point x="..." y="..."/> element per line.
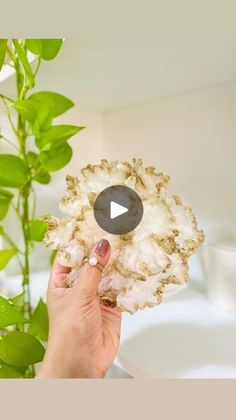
<point x="191" y="137"/>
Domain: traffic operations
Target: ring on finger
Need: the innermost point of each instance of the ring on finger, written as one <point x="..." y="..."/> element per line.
<point x="93" y="262"/>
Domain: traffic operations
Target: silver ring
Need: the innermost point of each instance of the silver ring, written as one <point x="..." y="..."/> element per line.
<point x="93" y="262"/>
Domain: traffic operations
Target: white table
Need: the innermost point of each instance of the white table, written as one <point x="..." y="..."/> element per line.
<point x="185" y="337"/>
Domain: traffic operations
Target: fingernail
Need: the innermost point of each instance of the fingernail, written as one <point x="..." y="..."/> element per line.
<point x="102" y="247"/>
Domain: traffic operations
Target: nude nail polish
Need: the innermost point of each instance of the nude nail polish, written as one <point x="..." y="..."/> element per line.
<point x="102" y="247"/>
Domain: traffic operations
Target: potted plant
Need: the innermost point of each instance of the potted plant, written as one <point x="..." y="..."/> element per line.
<point x="23" y="329"/>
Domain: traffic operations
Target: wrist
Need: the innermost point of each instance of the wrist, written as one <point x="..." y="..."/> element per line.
<point x="47" y="372"/>
<point x="52" y="368"/>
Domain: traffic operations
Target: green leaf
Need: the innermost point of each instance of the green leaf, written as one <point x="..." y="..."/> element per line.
<point x="45" y="48"/>
<point x="5" y="199"/>
<point x="32" y="158"/>
<point x="24" y="62"/>
<point x="58" y="104"/>
<point x="40" y="174"/>
<point x="10" y="314"/>
<point x="21" y="369"/>
<point x="36" y="113"/>
<point x="5" y="256"/>
<point x="56" y="135"/>
<point x="37" y="230"/>
<point x="13" y="171"/>
<point x="34" y="45"/>
<point x="17" y="300"/>
<point x="21" y="349"/>
<point x="50" y="48"/>
<point x="5" y="195"/>
<point x="3" y="48"/>
<point x="7" y="371"/>
<point x="57" y="158"/>
<point x="39" y="322"/>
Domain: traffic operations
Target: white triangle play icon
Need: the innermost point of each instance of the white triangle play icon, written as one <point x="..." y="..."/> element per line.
<point x="117" y="209"/>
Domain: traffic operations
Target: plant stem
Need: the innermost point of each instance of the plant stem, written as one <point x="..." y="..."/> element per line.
<point x="25" y="192"/>
<point x="37" y="67"/>
<point x="9" y="142"/>
<point x="25" y="229"/>
<point x="6" y="97"/>
<point x="10" y="241"/>
<point x="16" y="208"/>
<point x="34" y="203"/>
<point x="9" y="116"/>
<point x="10" y="54"/>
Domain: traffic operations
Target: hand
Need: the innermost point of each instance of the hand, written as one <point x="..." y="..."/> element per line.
<point x="83" y="334"/>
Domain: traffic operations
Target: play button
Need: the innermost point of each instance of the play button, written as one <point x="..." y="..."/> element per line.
<point x="118" y="209"/>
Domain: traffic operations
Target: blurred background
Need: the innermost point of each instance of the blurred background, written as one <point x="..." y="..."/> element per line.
<point x="158" y="85"/>
<point x="169" y="99"/>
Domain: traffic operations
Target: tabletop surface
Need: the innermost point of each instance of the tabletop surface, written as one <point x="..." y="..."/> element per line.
<point x="185" y="337"/>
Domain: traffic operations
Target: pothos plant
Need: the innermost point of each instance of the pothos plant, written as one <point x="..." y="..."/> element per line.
<point x="23" y="329"/>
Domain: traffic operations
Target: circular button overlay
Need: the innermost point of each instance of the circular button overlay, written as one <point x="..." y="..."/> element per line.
<point x="118" y="209"/>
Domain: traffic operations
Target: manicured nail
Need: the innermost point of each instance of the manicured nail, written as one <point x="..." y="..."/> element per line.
<point x="102" y="247"/>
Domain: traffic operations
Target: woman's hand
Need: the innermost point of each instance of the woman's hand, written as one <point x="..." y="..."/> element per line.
<point x="83" y="335"/>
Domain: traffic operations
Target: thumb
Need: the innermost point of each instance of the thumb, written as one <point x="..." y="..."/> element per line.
<point x="58" y="275"/>
<point x="90" y="275"/>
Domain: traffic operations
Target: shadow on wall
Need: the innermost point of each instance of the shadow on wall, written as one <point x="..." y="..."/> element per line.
<point x="181" y="350"/>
